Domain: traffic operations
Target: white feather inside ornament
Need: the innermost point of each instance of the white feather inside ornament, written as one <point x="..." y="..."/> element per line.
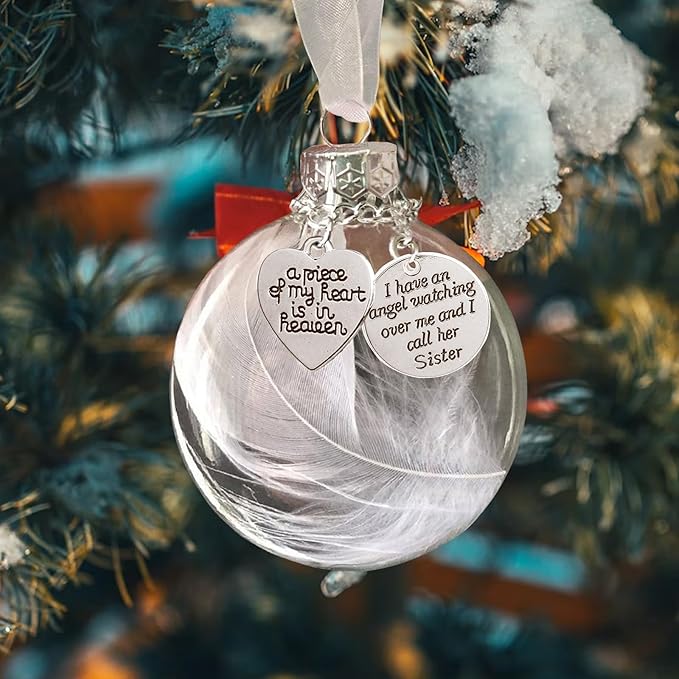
<point x="353" y="465"/>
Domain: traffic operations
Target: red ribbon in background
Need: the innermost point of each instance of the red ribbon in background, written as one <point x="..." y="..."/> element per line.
<point x="241" y="210"/>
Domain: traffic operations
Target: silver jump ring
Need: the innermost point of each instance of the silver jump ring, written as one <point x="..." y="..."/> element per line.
<point x="400" y="243"/>
<point x="327" y="142"/>
<point x="324" y="239"/>
<point x="406" y="242"/>
<point x="317" y="242"/>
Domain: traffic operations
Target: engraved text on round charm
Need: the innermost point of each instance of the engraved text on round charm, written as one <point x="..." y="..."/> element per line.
<point x="430" y="315"/>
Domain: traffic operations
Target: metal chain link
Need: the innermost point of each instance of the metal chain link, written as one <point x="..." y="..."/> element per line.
<point x="395" y="209"/>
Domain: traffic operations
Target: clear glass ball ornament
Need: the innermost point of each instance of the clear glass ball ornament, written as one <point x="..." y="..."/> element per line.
<point x="353" y="465"/>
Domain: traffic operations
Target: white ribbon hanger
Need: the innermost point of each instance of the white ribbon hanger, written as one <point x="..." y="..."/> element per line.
<point x="342" y="39"/>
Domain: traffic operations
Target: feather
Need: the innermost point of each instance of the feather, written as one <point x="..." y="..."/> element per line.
<point x="351" y="466"/>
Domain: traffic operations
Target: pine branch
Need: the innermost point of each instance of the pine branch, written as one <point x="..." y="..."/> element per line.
<point x="70" y="80"/>
<point x="263" y="92"/>
<point x="253" y="83"/>
<point x="90" y="441"/>
<point x="614" y="438"/>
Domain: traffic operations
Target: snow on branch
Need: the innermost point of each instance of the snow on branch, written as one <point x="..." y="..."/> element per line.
<point x="564" y="57"/>
<point x="508" y="160"/>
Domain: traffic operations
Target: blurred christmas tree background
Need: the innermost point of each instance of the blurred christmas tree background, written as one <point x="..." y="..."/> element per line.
<point x="116" y="120"/>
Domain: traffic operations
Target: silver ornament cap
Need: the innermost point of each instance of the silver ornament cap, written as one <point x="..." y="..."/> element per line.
<point x="350" y="172"/>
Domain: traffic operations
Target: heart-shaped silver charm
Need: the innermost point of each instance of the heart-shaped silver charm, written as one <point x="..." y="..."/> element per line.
<point x="315" y="305"/>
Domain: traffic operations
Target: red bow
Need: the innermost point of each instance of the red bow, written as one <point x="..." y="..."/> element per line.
<point x="241" y="210"/>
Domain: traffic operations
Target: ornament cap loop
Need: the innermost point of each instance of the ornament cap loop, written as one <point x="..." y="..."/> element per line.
<point x="367" y="120"/>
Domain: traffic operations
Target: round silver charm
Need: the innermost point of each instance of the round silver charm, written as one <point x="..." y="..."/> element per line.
<point x="430" y="315"/>
<point x="315" y="305"/>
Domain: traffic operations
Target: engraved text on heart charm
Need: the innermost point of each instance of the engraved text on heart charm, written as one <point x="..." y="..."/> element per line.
<point x="315" y="305"/>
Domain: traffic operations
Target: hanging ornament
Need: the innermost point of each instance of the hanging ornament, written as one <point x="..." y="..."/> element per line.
<point x="335" y="417"/>
<point x="354" y="464"/>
